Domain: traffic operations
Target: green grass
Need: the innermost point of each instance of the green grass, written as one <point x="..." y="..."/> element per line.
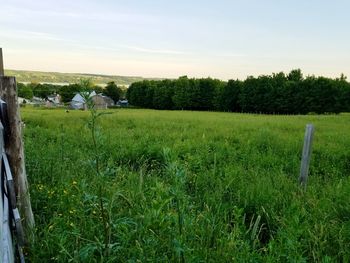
<point x="182" y="186"/>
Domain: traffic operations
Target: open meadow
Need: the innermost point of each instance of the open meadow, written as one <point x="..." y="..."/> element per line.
<point x="181" y="186"/>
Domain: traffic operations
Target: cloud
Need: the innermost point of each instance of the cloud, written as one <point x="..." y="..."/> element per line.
<point x="32" y="35"/>
<point x="155" y="51"/>
<point x="232" y="55"/>
<point x="12" y="13"/>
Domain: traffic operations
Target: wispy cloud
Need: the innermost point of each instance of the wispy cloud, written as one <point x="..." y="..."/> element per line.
<point x="232" y="55"/>
<point x="156" y="51"/>
<point x="32" y="35"/>
<point x="11" y="12"/>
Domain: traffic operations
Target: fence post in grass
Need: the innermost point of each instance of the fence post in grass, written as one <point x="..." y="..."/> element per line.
<point x="15" y="151"/>
<point x="1" y="64"/>
<point x="305" y="159"/>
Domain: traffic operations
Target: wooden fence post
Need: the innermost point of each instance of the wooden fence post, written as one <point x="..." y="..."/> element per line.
<point x="305" y="160"/>
<point x="15" y="151"/>
<point x="1" y="64"/>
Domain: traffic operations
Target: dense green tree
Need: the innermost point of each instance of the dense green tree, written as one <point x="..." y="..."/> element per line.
<point x="67" y="92"/>
<point x="43" y="90"/>
<point x="227" y="96"/>
<point x="98" y="89"/>
<point x="181" y="93"/>
<point x="24" y="91"/>
<point x="320" y="95"/>
<point x="162" y="95"/>
<point x="250" y="98"/>
<point x="344" y="97"/>
<point x="112" y="91"/>
<point x="206" y="93"/>
<point x="277" y="93"/>
<point x="141" y="94"/>
<point x="295" y="75"/>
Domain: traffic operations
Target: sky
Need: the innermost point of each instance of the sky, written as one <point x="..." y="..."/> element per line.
<point x="153" y="38"/>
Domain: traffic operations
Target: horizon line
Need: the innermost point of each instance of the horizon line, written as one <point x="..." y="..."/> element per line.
<point x="173" y="78"/>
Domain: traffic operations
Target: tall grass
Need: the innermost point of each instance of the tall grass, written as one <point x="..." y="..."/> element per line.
<point x="187" y="187"/>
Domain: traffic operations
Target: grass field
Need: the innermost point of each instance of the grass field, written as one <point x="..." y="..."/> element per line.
<point x="177" y="186"/>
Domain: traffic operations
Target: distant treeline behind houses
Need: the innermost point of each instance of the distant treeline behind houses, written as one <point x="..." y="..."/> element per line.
<point x="277" y="93"/>
<point x="67" y="92"/>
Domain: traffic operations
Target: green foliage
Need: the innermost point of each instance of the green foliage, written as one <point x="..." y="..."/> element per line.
<point x="67" y="92"/>
<point x="24" y="91"/>
<point x="227" y="96"/>
<point x="141" y="93"/>
<point x="96" y="138"/>
<point x="181" y="96"/>
<point x="97" y="89"/>
<point x="43" y="90"/>
<point x="36" y="89"/>
<point x="162" y="95"/>
<point x="295" y="75"/>
<point x="276" y="93"/>
<point x="112" y="91"/>
<point x="186" y="187"/>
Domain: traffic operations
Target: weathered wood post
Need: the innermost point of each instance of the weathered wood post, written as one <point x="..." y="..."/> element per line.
<point x="305" y="159"/>
<point x="2" y="73"/>
<point x="15" y="151"/>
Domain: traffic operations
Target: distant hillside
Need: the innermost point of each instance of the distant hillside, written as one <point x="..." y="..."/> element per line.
<point x="62" y="78"/>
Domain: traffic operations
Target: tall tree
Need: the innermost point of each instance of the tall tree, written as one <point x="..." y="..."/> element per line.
<point x="24" y="91"/>
<point x="295" y="75"/>
<point x="162" y="95"/>
<point x="181" y="93"/>
<point x="112" y="91"/>
<point x="227" y="96"/>
<point x="277" y="93"/>
<point x="67" y="92"/>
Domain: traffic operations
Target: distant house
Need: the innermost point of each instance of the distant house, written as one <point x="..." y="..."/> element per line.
<point x="78" y="102"/>
<point x="21" y="100"/>
<point x="100" y="101"/>
<point x="53" y="100"/>
<point x="123" y="103"/>
<point x="37" y="102"/>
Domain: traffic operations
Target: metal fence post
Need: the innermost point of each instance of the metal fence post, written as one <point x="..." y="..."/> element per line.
<point x="305" y="160"/>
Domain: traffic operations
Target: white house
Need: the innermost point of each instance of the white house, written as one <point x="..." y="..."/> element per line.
<point x="78" y="101"/>
<point x="21" y="100"/>
<point x="55" y="98"/>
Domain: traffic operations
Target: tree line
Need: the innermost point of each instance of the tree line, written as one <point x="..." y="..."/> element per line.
<point x="278" y="93"/>
<point x="67" y="92"/>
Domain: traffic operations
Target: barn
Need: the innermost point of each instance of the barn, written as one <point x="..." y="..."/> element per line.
<point x="100" y="101"/>
<point x="78" y="102"/>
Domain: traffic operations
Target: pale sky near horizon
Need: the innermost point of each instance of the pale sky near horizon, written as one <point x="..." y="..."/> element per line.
<point x="221" y="39"/>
